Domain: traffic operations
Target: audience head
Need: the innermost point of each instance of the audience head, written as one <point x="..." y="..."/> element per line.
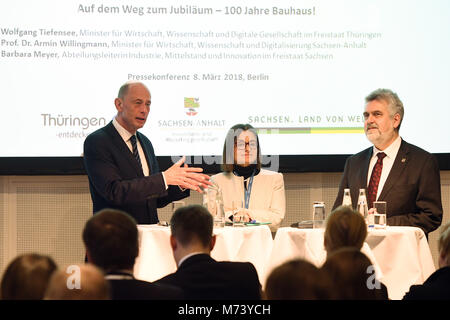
<point x="78" y="282"/>
<point x="351" y="272"/>
<point x="298" y="280"/>
<point x="444" y="246"/>
<point x="111" y="240"/>
<point x="192" y="231"/>
<point x="27" y="277"/>
<point x="241" y="148"/>
<point x="345" y="228"/>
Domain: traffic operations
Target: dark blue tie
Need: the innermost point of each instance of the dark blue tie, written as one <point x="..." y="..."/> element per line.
<point x="135" y="149"/>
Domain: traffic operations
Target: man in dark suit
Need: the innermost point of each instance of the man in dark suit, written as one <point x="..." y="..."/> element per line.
<point x="403" y="175"/>
<point x="437" y="286"/>
<point x="199" y="275"/>
<point x="111" y="241"/>
<point x="122" y="167"/>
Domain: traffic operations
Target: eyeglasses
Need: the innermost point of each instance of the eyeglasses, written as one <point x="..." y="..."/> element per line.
<point x="240" y="144"/>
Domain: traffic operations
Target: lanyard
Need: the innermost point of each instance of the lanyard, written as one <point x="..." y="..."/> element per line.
<point x="248" y="191"/>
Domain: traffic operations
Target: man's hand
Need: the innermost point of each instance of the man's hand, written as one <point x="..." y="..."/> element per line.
<point x="186" y="177"/>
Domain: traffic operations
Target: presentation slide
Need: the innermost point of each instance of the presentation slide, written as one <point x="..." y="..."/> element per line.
<point x="298" y="71"/>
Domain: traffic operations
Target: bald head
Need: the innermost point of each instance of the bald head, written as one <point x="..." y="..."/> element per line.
<point x="127" y="85"/>
<point x="133" y="105"/>
<point x="78" y="282"/>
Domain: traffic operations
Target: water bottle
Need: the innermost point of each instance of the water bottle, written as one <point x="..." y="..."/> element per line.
<point x="347" y="201"/>
<point x="362" y="207"/>
<point x="213" y="201"/>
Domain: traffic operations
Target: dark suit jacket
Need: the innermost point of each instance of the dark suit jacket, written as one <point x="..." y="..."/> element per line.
<point x="116" y="179"/>
<point x="132" y="289"/>
<point x="203" y="278"/>
<point x="412" y="189"/>
<point x="436" y="287"/>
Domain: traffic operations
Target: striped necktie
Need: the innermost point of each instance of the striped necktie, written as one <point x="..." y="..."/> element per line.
<point x="135" y="149"/>
<point x="372" y="189"/>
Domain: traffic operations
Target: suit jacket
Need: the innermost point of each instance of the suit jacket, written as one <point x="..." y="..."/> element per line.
<point x="203" y="278"/>
<point x="267" y="200"/>
<point x="412" y="189"/>
<point x="132" y="289"/>
<point x="436" y="287"/>
<point x="116" y="179"/>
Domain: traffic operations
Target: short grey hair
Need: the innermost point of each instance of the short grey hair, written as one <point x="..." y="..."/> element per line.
<point x="394" y="103"/>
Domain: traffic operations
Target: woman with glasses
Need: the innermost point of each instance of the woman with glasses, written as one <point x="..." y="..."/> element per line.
<point x="255" y="193"/>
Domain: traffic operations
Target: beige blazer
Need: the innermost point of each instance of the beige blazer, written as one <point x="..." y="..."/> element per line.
<point x="267" y="199"/>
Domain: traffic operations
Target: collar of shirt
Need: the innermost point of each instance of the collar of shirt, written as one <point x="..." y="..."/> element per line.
<point x="391" y="151"/>
<point x="119" y="275"/>
<point x="388" y="162"/>
<point x="124" y="133"/>
<point x="188" y="256"/>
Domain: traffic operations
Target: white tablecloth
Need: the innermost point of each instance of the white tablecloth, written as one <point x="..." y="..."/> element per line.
<point x="402" y="254"/>
<point x="246" y="244"/>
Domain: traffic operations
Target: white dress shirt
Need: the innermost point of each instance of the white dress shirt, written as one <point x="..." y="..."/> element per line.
<point x="388" y="162"/>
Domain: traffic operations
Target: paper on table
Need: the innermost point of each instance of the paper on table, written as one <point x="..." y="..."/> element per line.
<point x="257" y="223"/>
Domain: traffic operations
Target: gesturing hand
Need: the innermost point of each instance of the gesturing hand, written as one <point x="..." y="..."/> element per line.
<point x="186" y="177"/>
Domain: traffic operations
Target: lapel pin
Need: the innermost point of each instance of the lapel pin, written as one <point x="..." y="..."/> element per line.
<point x="403" y="160"/>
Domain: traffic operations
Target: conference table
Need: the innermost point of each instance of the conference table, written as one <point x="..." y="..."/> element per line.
<point x="246" y="244"/>
<point x="401" y="254"/>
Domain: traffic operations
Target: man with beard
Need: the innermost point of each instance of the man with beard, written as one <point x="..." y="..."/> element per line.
<point x="392" y="170"/>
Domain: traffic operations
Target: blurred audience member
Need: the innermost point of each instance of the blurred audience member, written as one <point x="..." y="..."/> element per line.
<point x="111" y="241"/>
<point x="345" y="228"/>
<point x="199" y="275"/>
<point x="298" y="280"/>
<point x="27" y="277"/>
<point x="353" y="276"/>
<point x="78" y="282"/>
<point x="437" y="286"/>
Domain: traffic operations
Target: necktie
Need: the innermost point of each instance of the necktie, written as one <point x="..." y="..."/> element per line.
<point x="372" y="189"/>
<point x="135" y="149"/>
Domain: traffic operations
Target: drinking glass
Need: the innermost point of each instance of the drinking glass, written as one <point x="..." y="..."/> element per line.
<point x="380" y="214"/>
<point x="319" y="214"/>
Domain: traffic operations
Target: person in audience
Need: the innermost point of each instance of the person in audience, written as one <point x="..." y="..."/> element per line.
<point x="298" y="280"/>
<point x="392" y="170"/>
<point x="259" y="192"/>
<point x="27" y="277"/>
<point x="345" y="227"/>
<point x="111" y="241"/>
<point x="78" y="282"/>
<point x="198" y="274"/>
<point x="437" y="286"/>
<point x="353" y="275"/>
